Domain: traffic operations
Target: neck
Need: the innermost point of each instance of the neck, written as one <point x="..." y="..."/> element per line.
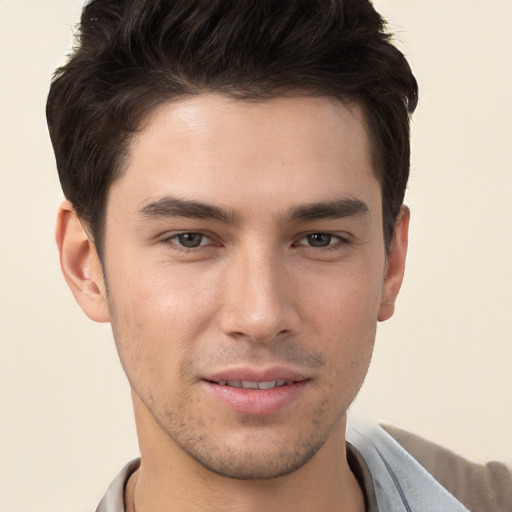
<point x="170" y="480"/>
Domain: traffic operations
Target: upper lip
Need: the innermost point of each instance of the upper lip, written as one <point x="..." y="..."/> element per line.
<point x="252" y="374"/>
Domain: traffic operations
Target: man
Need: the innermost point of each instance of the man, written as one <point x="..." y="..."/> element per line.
<point x="234" y="175"/>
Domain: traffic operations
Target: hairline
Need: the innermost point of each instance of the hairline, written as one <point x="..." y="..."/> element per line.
<point x="240" y="94"/>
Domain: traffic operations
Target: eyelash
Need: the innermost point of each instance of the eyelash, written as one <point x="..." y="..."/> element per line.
<point x="338" y="241"/>
<point x="173" y="239"/>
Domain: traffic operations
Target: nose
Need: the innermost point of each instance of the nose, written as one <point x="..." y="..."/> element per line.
<point x="259" y="299"/>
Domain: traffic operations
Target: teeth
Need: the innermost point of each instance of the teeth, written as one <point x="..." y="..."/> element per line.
<point x="248" y="384"/>
<point x="267" y="385"/>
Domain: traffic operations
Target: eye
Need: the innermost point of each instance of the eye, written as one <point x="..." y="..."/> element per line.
<point x="320" y="240"/>
<point x="189" y="240"/>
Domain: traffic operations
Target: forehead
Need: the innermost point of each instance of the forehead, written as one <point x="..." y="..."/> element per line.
<point x="197" y="119"/>
<point x="221" y="150"/>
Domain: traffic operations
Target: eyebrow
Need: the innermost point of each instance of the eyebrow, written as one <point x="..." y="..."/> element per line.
<point x="336" y="209"/>
<point x="176" y="207"/>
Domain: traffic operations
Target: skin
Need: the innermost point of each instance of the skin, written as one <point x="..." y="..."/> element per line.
<point x="274" y="282"/>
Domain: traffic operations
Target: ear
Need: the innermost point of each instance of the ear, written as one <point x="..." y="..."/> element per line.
<point x="395" y="265"/>
<point x="80" y="264"/>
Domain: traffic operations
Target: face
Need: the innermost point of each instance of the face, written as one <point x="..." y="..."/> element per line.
<point x="245" y="272"/>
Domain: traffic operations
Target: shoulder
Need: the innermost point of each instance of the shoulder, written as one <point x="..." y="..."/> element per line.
<point x="480" y="487"/>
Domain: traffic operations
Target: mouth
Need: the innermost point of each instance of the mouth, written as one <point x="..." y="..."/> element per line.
<point x="248" y="384"/>
<point x="247" y="392"/>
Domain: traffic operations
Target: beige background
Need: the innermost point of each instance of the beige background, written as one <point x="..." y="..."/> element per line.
<point x="442" y="366"/>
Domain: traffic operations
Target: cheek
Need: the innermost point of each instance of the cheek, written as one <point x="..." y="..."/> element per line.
<point x="157" y="318"/>
<point x="342" y="319"/>
<point x="344" y="300"/>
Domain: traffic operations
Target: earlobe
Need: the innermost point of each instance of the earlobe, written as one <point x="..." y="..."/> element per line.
<point x="395" y="265"/>
<point x="80" y="264"/>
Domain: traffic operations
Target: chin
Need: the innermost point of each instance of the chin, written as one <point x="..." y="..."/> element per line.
<point x="257" y="463"/>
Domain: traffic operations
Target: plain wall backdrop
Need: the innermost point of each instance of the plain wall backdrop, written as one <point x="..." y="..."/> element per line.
<point x="442" y="365"/>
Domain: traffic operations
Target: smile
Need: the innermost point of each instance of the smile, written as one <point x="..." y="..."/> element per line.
<point x="256" y="397"/>
<point x="247" y="384"/>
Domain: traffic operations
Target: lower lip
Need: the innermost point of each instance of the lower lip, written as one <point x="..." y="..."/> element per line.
<point x="256" y="401"/>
